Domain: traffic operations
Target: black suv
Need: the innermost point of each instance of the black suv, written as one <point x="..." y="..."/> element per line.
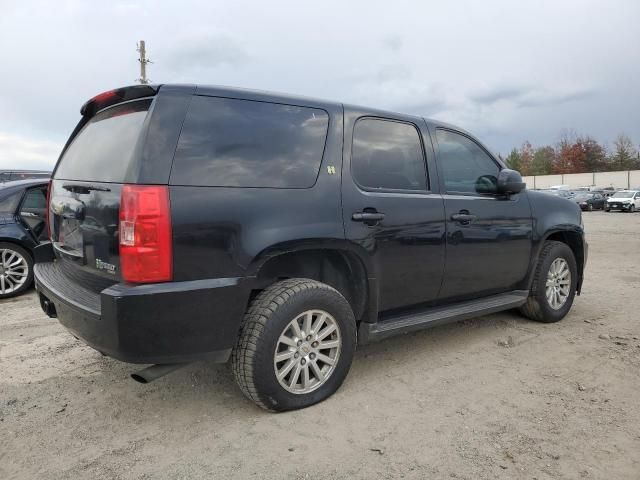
<point x="278" y="232"/>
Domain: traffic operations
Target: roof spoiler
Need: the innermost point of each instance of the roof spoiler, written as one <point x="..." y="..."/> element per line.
<point x="111" y="97"/>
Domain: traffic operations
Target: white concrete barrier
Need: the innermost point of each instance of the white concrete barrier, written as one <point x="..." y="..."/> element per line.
<point x="612" y="179"/>
<point x="621" y="179"/>
<point x="578" y="179"/>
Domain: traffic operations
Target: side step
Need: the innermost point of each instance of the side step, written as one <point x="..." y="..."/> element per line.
<point x="431" y="317"/>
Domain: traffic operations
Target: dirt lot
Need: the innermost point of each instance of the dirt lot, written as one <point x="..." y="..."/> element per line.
<point x="495" y="397"/>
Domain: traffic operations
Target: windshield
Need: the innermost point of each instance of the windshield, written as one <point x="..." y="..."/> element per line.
<point x="623" y="195"/>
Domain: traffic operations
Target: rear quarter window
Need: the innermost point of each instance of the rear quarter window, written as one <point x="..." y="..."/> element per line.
<point x="244" y="143"/>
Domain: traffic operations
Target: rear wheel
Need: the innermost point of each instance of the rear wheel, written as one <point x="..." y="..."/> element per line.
<point x="16" y="270"/>
<point x="554" y="284"/>
<point x="296" y="345"/>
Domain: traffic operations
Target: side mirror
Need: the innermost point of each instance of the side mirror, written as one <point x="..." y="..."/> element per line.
<point x="510" y="181"/>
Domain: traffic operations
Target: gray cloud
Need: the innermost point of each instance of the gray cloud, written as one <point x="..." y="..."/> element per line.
<point x="393" y="42"/>
<point x="539" y="99"/>
<point x="493" y="71"/>
<point x="499" y="93"/>
<point x="206" y="51"/>
<point x="528" y="96"/>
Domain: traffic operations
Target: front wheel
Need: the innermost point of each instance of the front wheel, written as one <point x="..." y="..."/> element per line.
<point x="554" y="284"/>
<point x="296" y="345"/>
<point x="590" y="207"/>
<point x="632" y="208"/>
<point x="16" y="270"/>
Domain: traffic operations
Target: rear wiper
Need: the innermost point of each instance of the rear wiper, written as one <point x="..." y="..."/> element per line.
<point x="84" y="188"/>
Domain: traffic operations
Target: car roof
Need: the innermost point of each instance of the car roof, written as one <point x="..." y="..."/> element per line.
<point x="20" y="184"/>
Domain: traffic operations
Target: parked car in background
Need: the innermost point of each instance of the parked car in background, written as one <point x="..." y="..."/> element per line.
<point x="13" y="175"/>
<point x="625" y="200"/>
<point x="559" y="193"/>
<point x="606" y="192"/>
<point x="278" y="232"/>
<point x="589" y="201"/>
<point x="22" y="227"/>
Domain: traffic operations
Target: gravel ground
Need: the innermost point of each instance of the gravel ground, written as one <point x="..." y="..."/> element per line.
<point x="494" y="397"/>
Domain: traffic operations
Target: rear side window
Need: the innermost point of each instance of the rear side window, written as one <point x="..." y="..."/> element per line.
<point x="35" y="199"/>
<point x="465" y="166"/>
<point x="9" y="203"/>
<point x="102" y="151"/>
<point x="387" y="155"/>
<point x="243" y="143"/>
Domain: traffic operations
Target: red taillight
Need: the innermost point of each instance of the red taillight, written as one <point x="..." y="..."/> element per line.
<point x="145" y="234"/>
<point x="47" y="214"/>
<point x="105" y="97"/>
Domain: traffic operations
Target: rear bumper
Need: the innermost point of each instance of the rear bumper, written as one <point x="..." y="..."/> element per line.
<point x="157" y="323"/>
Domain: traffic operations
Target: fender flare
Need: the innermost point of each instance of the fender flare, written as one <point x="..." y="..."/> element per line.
<point x="340" y="245"/>
<point x="571" y="229"/>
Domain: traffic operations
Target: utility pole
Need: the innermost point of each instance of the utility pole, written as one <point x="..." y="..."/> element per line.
<point x="143" y="63"/>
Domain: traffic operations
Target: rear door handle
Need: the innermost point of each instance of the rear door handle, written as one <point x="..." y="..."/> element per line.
<point x="463" y="218"/>
<point x="369" y="218"/>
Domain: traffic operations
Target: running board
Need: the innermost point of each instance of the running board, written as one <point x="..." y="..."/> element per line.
<point x="432" y="317"/>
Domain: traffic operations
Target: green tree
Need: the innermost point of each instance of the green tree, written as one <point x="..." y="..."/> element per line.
<point x="513" y="160"/>
<point x="625" y="155"/>
<point x="526" y="158"/>
<point x="595" y="155"/>
<point x="543" y="159"/>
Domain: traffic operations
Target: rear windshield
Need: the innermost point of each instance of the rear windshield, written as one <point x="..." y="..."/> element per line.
<point x="242" y="143"/>
<point x="102" y="150"/>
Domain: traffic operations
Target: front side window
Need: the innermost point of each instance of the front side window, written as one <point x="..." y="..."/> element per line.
<point x="387" y="155"/>
<point x="465" y="166"/>
<point x="244" y="143"/>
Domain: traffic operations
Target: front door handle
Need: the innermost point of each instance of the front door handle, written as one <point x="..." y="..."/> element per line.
<point x="463" y="218"/>
<point x="370" y="218"/>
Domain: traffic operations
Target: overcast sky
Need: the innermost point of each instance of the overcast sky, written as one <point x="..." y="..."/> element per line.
<point x="507" y="71"/>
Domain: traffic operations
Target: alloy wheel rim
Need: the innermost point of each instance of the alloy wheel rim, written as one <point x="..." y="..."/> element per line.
<point x="14" y="270"/>
<point x="307" y="351"/>
<point x="558" y="284"/>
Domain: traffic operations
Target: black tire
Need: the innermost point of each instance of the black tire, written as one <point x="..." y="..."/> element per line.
<point x="252" y="359"/>
<point x="632" y="208"/>
<point x="607" y="210"/>
<point x="27" y="256"/>
<point x="537" y="306"/>
<point x="590" y="207"/>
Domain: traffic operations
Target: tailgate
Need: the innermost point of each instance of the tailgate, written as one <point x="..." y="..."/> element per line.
<point x="85" y="193"/>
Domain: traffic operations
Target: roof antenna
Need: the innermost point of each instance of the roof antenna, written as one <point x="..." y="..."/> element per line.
<point x="143" y="63"/>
